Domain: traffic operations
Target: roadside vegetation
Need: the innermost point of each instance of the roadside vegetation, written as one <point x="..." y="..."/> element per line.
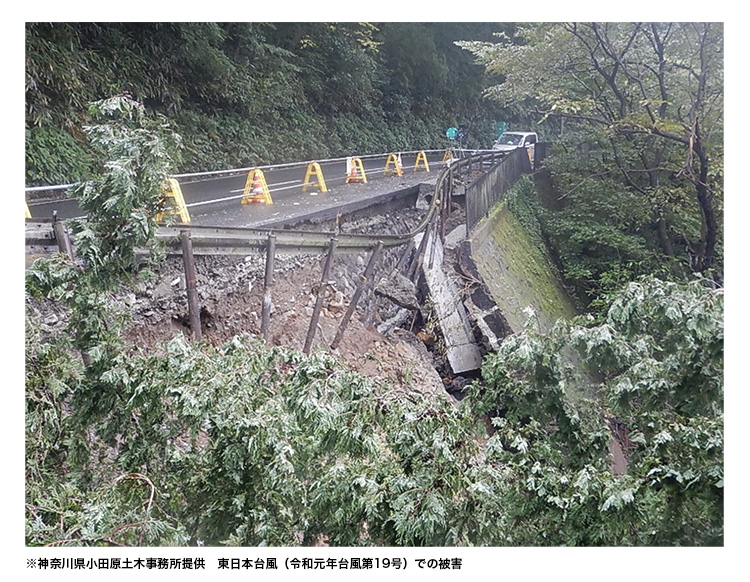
<point x="248" y="444"/>
<point x="638" y="152"/>
<point x="245" y="94"/>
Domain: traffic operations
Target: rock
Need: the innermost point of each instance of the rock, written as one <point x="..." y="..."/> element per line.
<point x="51" y="319"/>
<point x="161" y="291"/>
<point x="337" y="303"/>
<point x="455" y="237"/>
<point x="426" y="338"/>
<point x="397" y="320"/>
<point x="398" y="289"/>
<point x="459" y="382"/>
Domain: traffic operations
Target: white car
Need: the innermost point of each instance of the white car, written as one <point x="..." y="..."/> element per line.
<point x="511" y="140"/>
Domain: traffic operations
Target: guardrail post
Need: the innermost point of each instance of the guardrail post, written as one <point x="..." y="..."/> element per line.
<point x="321" y="295"/>
<point x="194" y="310"/>
<point x="402" y="260"/>
<point x="420" y="252"/>
<point x="63" y="239"/>
<point x="267" y="285"/>
<point x="364" y="280"/>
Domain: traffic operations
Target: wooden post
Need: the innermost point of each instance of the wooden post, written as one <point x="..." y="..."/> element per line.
<point x="194" y="310"/>
<point x="321" y="295"/>
<point x="364" y="280"/>
<point x="267" y="285"/>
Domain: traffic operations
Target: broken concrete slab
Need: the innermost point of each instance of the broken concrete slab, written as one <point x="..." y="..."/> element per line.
<point x="454" y="237"/>
<point x="462" y="351"/>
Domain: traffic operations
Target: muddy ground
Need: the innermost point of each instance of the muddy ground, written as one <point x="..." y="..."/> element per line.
<point x="231" y="304"/>
<point x="404" y="355"/>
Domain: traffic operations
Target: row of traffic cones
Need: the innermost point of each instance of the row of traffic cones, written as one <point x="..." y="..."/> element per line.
<point x="256" y="189"/>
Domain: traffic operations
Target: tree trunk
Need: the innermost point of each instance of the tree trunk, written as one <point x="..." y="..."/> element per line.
<point x="666" y="244"/>
<point x="708" y="244"/>
<point x="710" y="224"/>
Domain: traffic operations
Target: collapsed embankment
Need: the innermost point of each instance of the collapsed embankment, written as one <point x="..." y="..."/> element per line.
<point x="498" y="273"/>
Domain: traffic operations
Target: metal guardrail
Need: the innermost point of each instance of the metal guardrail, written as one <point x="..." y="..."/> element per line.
<point x="233" y="171"/>
<point x="188" y="240"/>
<point x="237" y="240"/>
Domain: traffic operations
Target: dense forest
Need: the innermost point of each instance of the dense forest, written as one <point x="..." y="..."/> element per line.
<point x="244" y="94"/>
<point x="248" y="444"/>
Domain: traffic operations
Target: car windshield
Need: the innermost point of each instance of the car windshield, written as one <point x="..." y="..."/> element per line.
<point x="509" y="139"/>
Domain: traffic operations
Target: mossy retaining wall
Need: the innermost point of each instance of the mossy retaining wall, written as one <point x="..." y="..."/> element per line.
<point x="517" y="272"/>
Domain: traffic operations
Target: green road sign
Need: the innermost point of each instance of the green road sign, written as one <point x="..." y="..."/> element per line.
<point x="500" y="128"/>
<point x="451" y="133"/>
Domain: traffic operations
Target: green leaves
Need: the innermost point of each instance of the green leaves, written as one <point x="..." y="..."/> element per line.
<point x="120" y="206"/>
<point x="657" y="361"/>
<point x="630" y="105"/>
<point x="249" y="445"/>
<point x="255" y="93"/>
<point x="54" y="156"/>
<point x="256" y="446"/>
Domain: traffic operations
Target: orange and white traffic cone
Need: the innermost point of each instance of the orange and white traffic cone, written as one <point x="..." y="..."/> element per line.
<point x="257" y="186"/>
<point x="352" y="177"/>
<point x="355" y="171"/>
<point x="256" y="189"/>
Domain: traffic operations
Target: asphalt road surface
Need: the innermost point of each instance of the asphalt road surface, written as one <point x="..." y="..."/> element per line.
<point x="215" y="200"/>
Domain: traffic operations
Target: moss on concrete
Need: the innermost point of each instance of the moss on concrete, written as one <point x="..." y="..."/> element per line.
<point x="517" y="272"/>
